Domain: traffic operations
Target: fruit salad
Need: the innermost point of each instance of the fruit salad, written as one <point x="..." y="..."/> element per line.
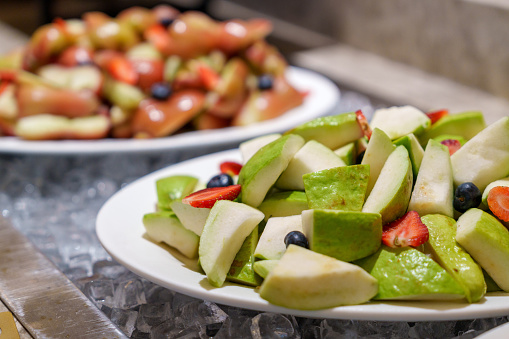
<point x="338" y="211"/>
<point x="146" y="73"/>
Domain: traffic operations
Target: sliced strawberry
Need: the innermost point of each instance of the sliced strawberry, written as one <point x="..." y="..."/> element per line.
<point x="363" y="123"/>
<point x="10" y="75"/>
<point x="437" y="115"/>
<point x="123" y="70"/>
<point x="209" y="77"/>
<point x="498" y="202"/>
<point x="158" y="36"/>
<point x="61" y="24"/>
<point x="452" y="144"/>
<point x="206" y="198"/>
<point x="4" y="85"/>
<point x="405" y="231"/>
<point x="230" y="167"/>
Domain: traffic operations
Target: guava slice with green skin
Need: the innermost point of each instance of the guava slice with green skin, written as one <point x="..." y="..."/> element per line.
<point x="391" y="194"/>
<point x="346" y="236"/>
<point x="446" y="251"/>
<point x="501" y="182"/>
<point x="271" y="244"/>
<point x="465" y="124"/>
<point x="250" y="147"/>
<point x="332" y="131"/>
<point x="145" y="51"/>
<point x="398" y="121"/>
<point x="306" y="280"/>
<point x="121" y="94"/>
<point x="173" y="188"/>
<point x="487" y="241"/>
<point x="260" y="173"/>
<point x="312" y="157"/>
<point x="263" y="267"/>
<point x="347" y="153"/>
<point x="283" y="204"/>
<point x="192" y="218"/>
<point x="433" y="190"/>
<point x="340" y="188"/>
<point x="415" y="150"/>
<point x="443" y="137"/>
<point x="165" y="227"/>
<point x="242" y="269"/>
<point x="226" y="229"/>
<point x="485" y="157"/>
<point x="405" y="273"/>
<point x="171" y="67"/>
<point x="378" y="150"/>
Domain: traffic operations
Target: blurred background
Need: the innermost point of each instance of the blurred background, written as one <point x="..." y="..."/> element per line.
<point x="432" y="54"/>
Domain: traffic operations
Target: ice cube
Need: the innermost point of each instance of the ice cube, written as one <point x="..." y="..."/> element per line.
<point x="274" y="325"/>
<point x="129" y="294"/>
<point x="124" y="319"/>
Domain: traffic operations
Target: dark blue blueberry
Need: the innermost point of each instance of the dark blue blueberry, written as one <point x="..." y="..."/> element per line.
<point x="220" y="180"/>
<point x="466" y="196"/>
<point x="160" y="91"/>
<point x="265" y="81"/>
<point x="86" y="62"/>
<point x="166" y="21"/>
<point x="296" y="238"/>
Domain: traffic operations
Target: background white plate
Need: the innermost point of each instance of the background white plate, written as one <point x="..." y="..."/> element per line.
<point x="322" y="99"/>
<point x="121" y="232"/>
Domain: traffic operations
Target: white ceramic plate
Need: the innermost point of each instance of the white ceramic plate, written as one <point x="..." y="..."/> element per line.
<point x="322" y="99"/>
<point x="121" y="232"/>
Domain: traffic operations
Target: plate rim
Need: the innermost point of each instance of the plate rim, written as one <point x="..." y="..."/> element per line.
<point x="490" y="306"/>
<point x="317" y="103"/>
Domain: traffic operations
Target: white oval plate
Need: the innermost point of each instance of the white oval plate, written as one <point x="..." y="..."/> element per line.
<point x="322" y="99"/>
<point x="121" y="232"/>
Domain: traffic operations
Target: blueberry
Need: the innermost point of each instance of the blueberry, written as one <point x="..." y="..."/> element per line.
<point x="466" y="196"/>
<point x="296" y="238"/>
<point x="265" y="81"/>
<point x="160" y="91"/>
<point x="220" y="180"/>
<point x="166" y="22"/>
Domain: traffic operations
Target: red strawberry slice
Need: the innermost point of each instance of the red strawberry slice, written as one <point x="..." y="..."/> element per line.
<point x="230" y="167"/>
<point x="452" y="144"/>
<point x="9" y="75"/>
<point x="3" y="86"/>
<point x="498" y="202"/>
<point x="209" y="77"/>
<point x="206" y="198"/>
<point x="158" y="36"/>
<point x="61" y="24"/>
<point x="363" y="123"/>
<point x="405" y="231"/>
<point x="123" y="70"/>
<point x="437" y="115"/>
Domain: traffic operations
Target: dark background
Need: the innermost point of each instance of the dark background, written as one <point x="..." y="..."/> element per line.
<point x="27" y="15"/>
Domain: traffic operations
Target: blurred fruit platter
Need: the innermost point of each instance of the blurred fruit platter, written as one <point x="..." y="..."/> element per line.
<point x="146" y="73"/>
